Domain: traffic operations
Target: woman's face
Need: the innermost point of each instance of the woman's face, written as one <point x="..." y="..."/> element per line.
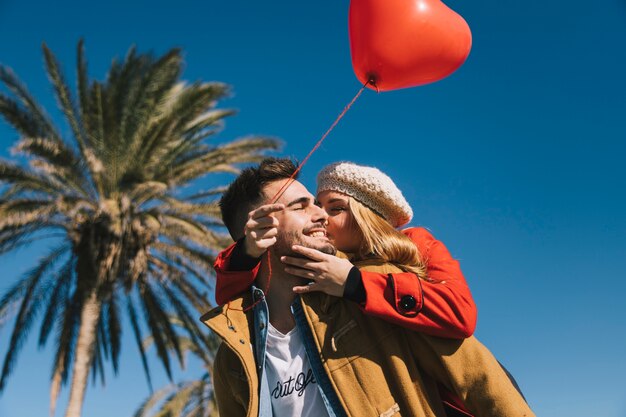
<point x="342" y="229"/>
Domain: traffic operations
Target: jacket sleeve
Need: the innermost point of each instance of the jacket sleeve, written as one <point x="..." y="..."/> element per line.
<point x="228" y="403"/>
<point x="230" y="283"/>
<point x="440" y="306"/>
<point x="468" y="369"/>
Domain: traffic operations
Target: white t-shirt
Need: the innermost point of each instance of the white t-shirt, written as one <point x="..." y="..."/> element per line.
<point x="293" y="388"/>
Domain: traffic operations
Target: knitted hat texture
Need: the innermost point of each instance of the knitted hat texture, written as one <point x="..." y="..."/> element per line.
<point x="369" y="186"/>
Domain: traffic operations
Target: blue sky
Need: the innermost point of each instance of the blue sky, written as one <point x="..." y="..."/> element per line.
<point x="516" y="162"/>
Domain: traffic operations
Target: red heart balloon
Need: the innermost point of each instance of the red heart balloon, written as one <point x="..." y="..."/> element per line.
<point x="406" y="43"/>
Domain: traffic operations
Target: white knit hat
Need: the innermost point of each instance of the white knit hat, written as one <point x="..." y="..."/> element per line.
<point x="369" y="186"/>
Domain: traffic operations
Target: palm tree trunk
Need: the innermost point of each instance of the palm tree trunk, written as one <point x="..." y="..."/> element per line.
<point x="84" y="354"/>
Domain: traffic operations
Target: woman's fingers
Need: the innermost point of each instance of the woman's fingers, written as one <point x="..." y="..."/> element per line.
<point x="302" y="272"/>
<point x="328" y="272"/>
<point x="313" y="254"/>
<point x="303" y="263"/>
<point x="302" y="289"/>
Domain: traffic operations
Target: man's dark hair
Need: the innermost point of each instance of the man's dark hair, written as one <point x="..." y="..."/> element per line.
<point x="246" y="192"/>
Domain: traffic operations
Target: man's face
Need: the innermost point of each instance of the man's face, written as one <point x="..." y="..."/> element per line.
<point x="301" y="222"/>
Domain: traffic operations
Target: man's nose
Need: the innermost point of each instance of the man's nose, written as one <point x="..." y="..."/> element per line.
<point x="319" y="215"/>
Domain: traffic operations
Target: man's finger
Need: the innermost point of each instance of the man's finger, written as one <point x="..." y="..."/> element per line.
<point x="266" y="243"/>
<point x="258" y="234"/>
<point x="262" y="222"/>
<point x="313" y="254"/>
<point x="265" y="210"/>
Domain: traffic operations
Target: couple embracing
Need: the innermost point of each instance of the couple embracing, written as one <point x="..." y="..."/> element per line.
<point x="381" y="328"/>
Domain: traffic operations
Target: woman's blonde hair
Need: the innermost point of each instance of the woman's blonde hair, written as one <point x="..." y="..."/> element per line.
<point x="381" y="240"/>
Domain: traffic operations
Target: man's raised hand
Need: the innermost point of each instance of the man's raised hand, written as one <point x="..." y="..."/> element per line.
<point x="261" y="229"/>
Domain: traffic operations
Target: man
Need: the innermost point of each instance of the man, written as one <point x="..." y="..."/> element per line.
<point x="318" y="355"/>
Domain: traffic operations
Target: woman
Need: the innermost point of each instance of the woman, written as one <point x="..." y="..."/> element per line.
<point x="365" y="207"/>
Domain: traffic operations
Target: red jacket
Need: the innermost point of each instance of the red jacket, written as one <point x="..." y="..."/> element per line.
<point x="442" y="306"/>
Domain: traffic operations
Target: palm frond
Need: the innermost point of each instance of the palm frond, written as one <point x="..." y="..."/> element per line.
<point x="160" y="340"/>
<point x="12" y="238"/>
<point x="71" y="321"/>
<point x="153" y="400"/>
<point x="60" y="160"/>
<point x="186" y="399"/>
<point x="121" y="83"/>
<point x="201" y="401"/>
<point x="64" y="96"/>
<point x="176" y="270"/>
<point x="161" y="329"/>
<point x="211" y="120"/>
<point x="31" y="298"/>
<point x="97" y="364"/>
<point x="56" y="153"/>
<point x="147" y="191"/>
<point x="82" y="85"/>
<point x="187" y="105"/>
<point x="198" y="298"/>
<point x="94" y="119"/>
<point x="12" y="173"/>
<point x="188" y="323"/>
<point x="132" y="315"/>
<point x="22" y="120"/>
<point x="175" y="404"/>
<point x="151" y="93"/>
<point x="174" y="205"/>
<point x="30" y="120"/>
<point x="218" y="159"/>
<point x="58" y="299"/>
<point x="208" y="193"/>
<point x="175" y="224"/>
<point x="179" y="250"/>
<point x="20" y="213"/>
<point x="114" y="327"/>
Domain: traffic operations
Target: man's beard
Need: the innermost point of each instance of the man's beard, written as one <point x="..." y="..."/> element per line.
<point x="285" y="240"/>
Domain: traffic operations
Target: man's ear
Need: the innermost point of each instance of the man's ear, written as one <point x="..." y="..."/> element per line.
<point x="237" y="231"/>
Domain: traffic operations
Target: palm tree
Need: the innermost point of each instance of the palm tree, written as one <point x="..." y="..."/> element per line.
<point x="130" y="242"/>
<point x="193" y="398"/>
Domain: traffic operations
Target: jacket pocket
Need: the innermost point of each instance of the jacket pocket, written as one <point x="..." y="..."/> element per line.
<point x="350" y="339"/>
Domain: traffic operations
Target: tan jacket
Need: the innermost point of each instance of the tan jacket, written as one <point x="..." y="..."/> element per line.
<point x="377" y="369"/>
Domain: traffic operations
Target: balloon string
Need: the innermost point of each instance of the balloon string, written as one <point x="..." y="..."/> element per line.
<point x="317" y="145"/>
<point x="286" y="185"/>
<point x="267" y="290"/>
